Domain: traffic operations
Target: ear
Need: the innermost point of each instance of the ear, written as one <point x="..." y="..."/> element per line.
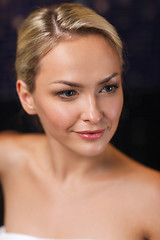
<point x="25" y="97"/>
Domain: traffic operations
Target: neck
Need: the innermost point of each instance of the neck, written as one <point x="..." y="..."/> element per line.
<point x="67" y="164"/>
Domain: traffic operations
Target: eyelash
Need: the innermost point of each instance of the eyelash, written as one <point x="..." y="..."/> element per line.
<point x="72" y="93"/>
<point x="113" y="88"/>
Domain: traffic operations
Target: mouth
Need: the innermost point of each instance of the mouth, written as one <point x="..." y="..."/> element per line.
<point x="91" y="135"/>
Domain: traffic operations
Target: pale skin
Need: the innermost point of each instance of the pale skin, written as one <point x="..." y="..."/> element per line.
<point x="62" y="185"/>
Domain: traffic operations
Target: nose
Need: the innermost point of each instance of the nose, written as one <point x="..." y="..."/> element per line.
<point x="91" y="111"/>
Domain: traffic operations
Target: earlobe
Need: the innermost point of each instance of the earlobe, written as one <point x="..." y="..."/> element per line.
<point x="25" y="97"/>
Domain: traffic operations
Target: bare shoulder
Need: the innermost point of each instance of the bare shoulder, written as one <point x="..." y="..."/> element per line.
<point x="142" y="186"/>
<point x="138" y="174"/>
<point x="15" y="147"/>
<point x="137" y="171"/>
<point x="147" y="195"/>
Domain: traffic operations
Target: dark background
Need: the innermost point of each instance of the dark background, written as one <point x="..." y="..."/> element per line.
<point x="138" y="24"/>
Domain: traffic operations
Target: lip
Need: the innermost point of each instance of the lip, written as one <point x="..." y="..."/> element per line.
<point x="91" y="135"/>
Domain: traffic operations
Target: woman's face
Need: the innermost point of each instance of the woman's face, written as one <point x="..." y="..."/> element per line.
<point x="78" y="94"/>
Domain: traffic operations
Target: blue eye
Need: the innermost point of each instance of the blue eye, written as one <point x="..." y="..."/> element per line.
<point x="67" y="93"/>
<point x="109" y="88"/>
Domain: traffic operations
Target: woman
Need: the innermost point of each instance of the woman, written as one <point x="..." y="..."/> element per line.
<point x="70" y="183"/>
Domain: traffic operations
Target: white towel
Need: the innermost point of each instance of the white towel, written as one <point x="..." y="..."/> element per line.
<point x="14" y="236"/>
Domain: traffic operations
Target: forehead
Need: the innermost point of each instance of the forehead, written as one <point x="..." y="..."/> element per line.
<point x="80" y="55"/>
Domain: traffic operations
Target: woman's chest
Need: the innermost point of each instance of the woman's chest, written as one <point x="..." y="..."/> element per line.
<point x="40" y="212"/>
<point x="37" y="207"/>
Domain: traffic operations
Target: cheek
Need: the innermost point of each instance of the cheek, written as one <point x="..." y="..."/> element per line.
<point x="113" y="108"/>
<point x="58" y="115"/>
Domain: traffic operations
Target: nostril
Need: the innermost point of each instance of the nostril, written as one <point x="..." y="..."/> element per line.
<point x="92" y="116"/>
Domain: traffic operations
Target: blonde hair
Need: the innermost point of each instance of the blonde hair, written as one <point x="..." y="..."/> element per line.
<point x="43" y="28"/>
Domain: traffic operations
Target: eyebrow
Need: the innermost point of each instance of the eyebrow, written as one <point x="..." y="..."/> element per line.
<point x="71" y="84"/>
<point x="107" y="79"/>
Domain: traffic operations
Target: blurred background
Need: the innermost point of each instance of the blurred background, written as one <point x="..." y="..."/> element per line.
<point x="138" y="24"/>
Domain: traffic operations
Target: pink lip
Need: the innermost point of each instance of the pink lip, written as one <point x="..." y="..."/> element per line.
<point x="91" y="135"/>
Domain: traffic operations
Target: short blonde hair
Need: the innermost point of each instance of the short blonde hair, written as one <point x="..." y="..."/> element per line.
<point x="43" y="28"/>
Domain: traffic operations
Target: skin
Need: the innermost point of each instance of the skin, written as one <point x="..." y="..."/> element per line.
<point x="60" y="185"/>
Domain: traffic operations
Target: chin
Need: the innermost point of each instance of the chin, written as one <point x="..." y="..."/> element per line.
<point x="92" y="151"/>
